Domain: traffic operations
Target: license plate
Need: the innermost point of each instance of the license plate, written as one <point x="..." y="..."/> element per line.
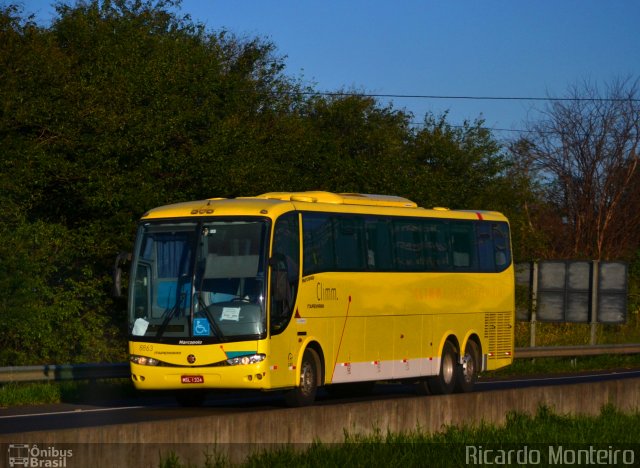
<point x="190" y="379"/>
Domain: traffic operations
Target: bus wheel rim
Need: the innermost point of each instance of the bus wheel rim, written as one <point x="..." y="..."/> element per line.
<point x="306" y="378"/>
<point x="447" y="368"/>
<point x="468" y="367"/>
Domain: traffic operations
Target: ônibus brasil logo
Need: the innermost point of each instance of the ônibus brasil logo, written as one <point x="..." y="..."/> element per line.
<point x="30" y="455"/>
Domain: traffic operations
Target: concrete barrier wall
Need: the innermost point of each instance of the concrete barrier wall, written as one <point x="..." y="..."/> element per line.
<point x="240" y="433"/>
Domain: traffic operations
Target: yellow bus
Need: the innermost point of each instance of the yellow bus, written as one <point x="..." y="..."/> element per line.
<point x="294" y="291"/>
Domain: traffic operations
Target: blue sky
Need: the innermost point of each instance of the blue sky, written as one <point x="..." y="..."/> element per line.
<point x="508" y="48"/>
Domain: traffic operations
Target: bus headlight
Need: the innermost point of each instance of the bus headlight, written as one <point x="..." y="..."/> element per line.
<point x="143" y="360"/>
<point x="244" y="360"/>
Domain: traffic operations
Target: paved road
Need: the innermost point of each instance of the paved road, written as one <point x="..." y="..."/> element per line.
<point x="65" y="416"/>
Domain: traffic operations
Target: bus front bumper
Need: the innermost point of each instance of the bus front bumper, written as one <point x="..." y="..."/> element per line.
<point x="253" y="376"/>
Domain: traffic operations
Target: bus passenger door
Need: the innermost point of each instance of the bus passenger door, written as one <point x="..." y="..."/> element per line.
<point x="284" y="266"/>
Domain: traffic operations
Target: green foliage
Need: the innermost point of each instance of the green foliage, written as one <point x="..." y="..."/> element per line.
<point x="67" y="391"/>
<point x="460" y="167"/>
<point x="119" y="106"/>
<point x="448" y="447"/>
<point x="16" y="394"/>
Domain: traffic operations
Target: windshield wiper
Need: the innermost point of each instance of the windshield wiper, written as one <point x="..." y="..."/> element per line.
<point x="167" y="319"/>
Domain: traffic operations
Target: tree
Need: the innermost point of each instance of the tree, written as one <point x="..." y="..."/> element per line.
<point x="123" y="105"/>
<point x="357" y="145"/>
<point x="459" y="167"/>
<point x="117" y="107"/>
<point x="585" y="150"/>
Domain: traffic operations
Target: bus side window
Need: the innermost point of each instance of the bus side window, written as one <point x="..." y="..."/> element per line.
<point x="349" y="248"/>
<point x="436" y="245"/>
<point x="463" y="246"/>
<point x="408" y="245"/>
<point x="319" y="252"/>
<point x="285" y="271"/>
<point x="378" y="244"/>
<point x="485" y="243"/>
<point x="502" y="254"/>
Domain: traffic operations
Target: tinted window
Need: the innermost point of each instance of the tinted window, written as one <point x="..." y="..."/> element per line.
<point x="285" y="271"/>
<point x="408" y="245"/>
<point x="336" y="242"/>
<point x="318" y="243"/>
<point x="463" y="245"/>
<point x="436" y="245"/>
<point x="378" y="244"/>
<point x="349" y="243"/>
<point x="486" y="257"/>
<point x="501" y="245"/>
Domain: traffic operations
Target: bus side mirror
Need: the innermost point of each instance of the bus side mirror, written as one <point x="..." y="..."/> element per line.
<point x="117" y="273"/>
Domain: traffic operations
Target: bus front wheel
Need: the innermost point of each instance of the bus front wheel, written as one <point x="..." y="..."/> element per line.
<point x="305" y="393"/>
<point x="445" y="381"/>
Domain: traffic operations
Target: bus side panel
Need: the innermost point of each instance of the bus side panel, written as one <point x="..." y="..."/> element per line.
<point x="481" y="304"/>
<point x="410" y="345"/>
<point x="378" y="326"/>
<point x="379" y="347"/>
<point x="282" y="358"/>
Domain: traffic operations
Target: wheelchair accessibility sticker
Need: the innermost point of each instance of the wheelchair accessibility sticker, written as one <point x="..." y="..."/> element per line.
<point x="201" y="327"/>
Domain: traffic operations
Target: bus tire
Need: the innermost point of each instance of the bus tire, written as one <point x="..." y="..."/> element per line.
<point x="445" y="382"/>
<point x="305" y="393"/>
<point x="468" y="369"/>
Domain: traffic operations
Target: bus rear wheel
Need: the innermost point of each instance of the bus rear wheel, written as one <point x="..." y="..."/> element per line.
<point x="468" y="369"/>
<point x="445" y="382"/>
<point x="305" y="393"/>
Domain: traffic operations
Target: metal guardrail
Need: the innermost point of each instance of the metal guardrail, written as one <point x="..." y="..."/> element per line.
<point x="64" y="372"/>
<point x="121" y="369"/>
<point x="570" y="351"/>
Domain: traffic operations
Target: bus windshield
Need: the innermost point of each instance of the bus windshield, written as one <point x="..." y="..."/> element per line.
<point x="199" y="280"/>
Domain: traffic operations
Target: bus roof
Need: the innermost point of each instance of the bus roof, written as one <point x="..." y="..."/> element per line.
<point x="341" y="198"/>
<point x="273" y="204"/>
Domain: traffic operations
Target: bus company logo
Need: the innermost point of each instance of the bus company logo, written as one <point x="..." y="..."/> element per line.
<point x="34" y="456"/>
<point x="326" y="293"/>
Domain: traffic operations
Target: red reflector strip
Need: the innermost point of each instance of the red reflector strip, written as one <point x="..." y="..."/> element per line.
<point x="479" y="216"/>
